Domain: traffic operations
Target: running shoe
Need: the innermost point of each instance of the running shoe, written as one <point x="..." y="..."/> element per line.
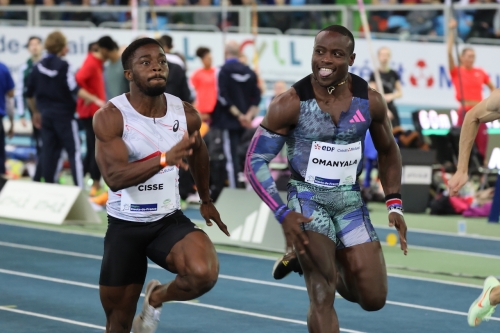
<point x="481" y="309"/>
<point x="147" y="321"/>
<point x="285" y="265"/>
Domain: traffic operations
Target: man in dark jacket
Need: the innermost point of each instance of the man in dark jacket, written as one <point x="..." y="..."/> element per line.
<point x="237" y="104"/>
<point x="51" y="92"/>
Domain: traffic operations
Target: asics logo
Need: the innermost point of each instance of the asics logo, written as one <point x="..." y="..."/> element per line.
<point x="357" y="118"/>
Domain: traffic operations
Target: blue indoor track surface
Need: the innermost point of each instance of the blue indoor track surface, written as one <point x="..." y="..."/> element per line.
<point x="49" y="283"/>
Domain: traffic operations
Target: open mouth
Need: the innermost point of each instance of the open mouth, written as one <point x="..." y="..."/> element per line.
<point x="325" y="72"/>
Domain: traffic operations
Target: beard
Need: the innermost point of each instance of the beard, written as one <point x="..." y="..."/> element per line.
<point x="151" y="91"/>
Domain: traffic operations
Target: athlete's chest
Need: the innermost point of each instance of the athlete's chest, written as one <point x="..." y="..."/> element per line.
<point x="317" y="125"/>
<point x="334" y="109"/>
<point x="146" y="137"/>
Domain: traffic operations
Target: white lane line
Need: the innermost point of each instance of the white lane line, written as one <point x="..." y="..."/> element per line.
<point x="267" y="283"/>
<point x="47" y="278"/>
<point x="228" y="277"/>
<point x="85" y="285"/>
<point x="63" y="320"/>
<point x="48" y="250"/>
<point x="463" y="253"/>
<point x="91" y="286"/>
<point x="442" y="233"/>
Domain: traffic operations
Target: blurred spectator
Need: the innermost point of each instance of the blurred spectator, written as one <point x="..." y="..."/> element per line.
<point x="280" y="20"/>
<point x="6" y="108"/>
<point x="181" y="17"/>
<point x="166" y="43"/>
<point x="177" y="84"/>
<point x="45" y="15"/>
<point x="35" y="49"/>
<point x="378" y="18"/>
<point x="422" y="21"/>
<point x="237" y="105"/>
<point x="483" y="26"/>
<point x="209" y="18"/>
<point x="204" y="82"/>
<point x="51" y="90"/>
<point x="114" y="80"/>
<point x="496" y="24"/>
<point x="93" y="47"/>
<point x="91" y="78"/>
<point x="468" y="82"/>
<point x="279" y="87"/>
<point x="100" y="17"/>
<point x="391" y="83"/>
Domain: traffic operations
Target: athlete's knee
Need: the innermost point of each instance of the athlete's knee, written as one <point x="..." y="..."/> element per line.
<point x="203" y="277"/>
<point x="321" y="294"/>
<point x="373" y="301"/>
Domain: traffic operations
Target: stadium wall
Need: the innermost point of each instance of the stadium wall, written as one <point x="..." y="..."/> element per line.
<point x="422" y="66"/>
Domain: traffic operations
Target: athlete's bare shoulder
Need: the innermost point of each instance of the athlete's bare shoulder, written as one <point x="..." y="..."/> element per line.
<point x="108" y="122"/>
<point x="283" y="112"/>
<point x="378" y="106"/>
<point x="193" y="117"/>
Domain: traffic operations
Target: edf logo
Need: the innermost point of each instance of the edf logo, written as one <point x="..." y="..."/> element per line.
<point x="328" y="148"/>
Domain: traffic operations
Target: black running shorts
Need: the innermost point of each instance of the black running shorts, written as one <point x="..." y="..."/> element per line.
<point x="128" y="245"/>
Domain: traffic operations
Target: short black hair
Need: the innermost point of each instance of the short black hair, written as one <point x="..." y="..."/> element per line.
<point x="167" y="41"/>
<point x="341" y="30"/>
<point x="92" y="47"/>
<point x="202" y="51"/>
<point x="107" y="43"/>
<point x="128" y="53"/>
<point x="31" y="38"/>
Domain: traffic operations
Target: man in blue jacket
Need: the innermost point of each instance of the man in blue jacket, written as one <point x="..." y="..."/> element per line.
<point x="6" y="108"/>
<point x="51" y="92"/>
<point x="237" y="104"/>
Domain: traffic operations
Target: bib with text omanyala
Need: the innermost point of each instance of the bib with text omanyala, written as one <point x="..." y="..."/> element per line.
<point x="333" y="165"/>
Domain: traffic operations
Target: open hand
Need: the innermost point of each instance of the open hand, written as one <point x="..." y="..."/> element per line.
<point x="209" y="213"/>
<point x="398" y="221"/>
<point x="294" y="235"/>
<point x="181" y="150"/>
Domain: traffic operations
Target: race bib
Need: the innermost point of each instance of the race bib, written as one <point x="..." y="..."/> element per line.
<point x="332" y="165"/>
<point x="157" y="195"/>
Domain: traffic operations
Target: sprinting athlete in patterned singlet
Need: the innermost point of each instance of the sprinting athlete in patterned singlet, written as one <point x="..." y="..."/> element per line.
<point x="323" y="120"/>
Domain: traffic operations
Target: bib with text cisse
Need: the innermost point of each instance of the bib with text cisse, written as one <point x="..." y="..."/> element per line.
<point x="156" y="195"/>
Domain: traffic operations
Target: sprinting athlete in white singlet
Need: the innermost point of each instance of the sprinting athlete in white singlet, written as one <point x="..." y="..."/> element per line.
<point x="142" y="139"/>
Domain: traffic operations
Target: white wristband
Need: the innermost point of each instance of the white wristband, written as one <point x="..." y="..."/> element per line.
<point x="398" y="211"/>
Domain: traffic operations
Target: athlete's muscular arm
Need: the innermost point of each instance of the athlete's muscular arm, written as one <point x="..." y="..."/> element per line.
<point x="266" y="144"/>
<point x="389" y="158"/>
<point x="199" y="165"/>
<point x="485" y="111"/>
<point x="112" y="153"/>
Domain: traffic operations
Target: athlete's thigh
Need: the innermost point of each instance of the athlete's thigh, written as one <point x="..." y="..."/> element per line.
<point x="124" y="261"/>
<point x="362" y="269"/>
<point x="181" y="243"/>
<point x="318" y="261"/>
<point x="194" y="254"/>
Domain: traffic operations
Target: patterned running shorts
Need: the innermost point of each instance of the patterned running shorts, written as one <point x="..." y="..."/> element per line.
<point x="341" y="215"/>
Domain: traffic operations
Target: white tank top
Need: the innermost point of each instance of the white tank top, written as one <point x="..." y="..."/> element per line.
<point x="146" y="138"/>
